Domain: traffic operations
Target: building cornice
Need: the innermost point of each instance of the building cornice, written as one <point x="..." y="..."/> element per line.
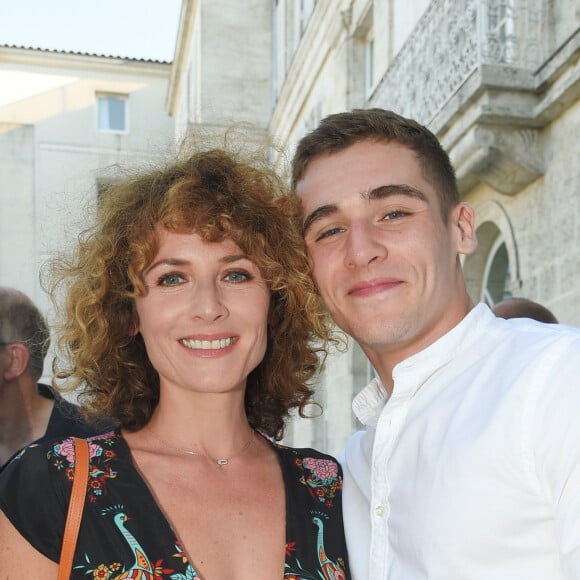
<point x="80" y="61"/>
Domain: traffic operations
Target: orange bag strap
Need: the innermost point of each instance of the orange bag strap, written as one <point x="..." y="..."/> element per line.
<point x="75" y="508"/>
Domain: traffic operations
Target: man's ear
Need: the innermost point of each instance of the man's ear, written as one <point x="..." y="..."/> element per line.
<point x="18" y="360"/>
<point x="463" y="221"/>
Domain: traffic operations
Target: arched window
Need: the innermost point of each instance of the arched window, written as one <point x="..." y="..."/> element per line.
<point x="492" y="272"/>
<point x="496" y="276"/>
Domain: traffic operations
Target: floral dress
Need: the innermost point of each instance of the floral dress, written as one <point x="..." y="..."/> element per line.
<point x="124" y="533"/>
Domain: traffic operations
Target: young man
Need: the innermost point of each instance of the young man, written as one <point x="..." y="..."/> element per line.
<point x="29" y="411"/>
<point x="470" y="464"/>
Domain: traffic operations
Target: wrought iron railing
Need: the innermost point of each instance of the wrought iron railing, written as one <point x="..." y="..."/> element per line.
<point x="452" y="39"/>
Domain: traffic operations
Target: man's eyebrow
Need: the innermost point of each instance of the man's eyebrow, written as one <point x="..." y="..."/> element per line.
<point x="384" y="191"/>
<point x="380" y="192"/>
<point x="319" y="213"/>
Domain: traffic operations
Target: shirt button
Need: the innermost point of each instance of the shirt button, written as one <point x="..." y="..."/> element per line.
<point x="380" y="511"/>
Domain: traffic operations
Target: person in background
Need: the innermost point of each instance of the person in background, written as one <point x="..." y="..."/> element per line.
<point x="191" y="320"/>
<point x="523" y="308"/>
<point x="29" y="411"/>
<point x="470" y="464"/>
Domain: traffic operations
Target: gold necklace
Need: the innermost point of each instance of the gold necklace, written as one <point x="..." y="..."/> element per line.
<point x="220" y="462"/>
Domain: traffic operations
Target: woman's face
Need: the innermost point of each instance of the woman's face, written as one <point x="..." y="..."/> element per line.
<point x="204" y="315"/>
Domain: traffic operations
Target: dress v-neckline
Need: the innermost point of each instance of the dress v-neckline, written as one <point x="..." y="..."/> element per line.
<point x="144" y="484"/>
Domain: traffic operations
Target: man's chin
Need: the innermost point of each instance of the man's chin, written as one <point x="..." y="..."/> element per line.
<point x="376" y="334"/>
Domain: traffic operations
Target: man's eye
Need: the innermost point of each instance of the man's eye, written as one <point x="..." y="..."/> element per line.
<point x="170" y="280"/>
<point x="393" y="215"/>
<point x="236" y="276"/>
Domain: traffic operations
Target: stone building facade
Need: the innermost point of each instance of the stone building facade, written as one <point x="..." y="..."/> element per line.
<point x="497" y="80"/>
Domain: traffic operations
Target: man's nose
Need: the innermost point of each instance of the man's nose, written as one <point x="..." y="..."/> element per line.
<point x="364" y="246"/>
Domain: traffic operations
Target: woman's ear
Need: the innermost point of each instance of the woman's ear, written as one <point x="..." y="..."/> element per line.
<point x="134" y="326"/>
<point x="133" y="329"/>
<point x="273" y="315"/>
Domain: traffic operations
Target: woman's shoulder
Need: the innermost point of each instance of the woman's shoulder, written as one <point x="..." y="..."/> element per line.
<point x="53" y="459"/>
<point x="305" y="453"/>
<point x="35" y="487"/>
<point x="316" y="471"/>
<point x="313" y="466"/>
<point x="43" y="472"/>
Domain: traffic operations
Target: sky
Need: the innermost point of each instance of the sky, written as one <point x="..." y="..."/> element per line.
<point x="143" y="29"/>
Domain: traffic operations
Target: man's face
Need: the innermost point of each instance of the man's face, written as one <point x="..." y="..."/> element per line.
<point x="384" y="260"/>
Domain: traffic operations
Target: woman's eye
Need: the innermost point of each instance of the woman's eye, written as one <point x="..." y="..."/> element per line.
<point x="328" y="233"/>
<point x="237" y="276"/>
<point x="170" y="280"/>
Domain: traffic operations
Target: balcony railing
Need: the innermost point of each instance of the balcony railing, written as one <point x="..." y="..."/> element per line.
<point x="454" y="38"/>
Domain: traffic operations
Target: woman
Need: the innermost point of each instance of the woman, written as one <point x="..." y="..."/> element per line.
<point x="191" y="321"/>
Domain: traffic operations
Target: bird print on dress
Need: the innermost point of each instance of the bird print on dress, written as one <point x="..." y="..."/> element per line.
<point x="143" y="567"/>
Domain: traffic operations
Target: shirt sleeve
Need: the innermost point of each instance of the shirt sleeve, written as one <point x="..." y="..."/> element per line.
<point x="34" y="494"/>
<point x="556" y="447"/>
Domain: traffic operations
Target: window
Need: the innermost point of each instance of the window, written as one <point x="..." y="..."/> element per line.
<point x="496" y="277"/>
<point x="492" y="272"/>
<point x="501" y="37"/>
<point x="278" y="47"/>
<point x="112" y="113"/>
<point x="369" y="63"/>
<point x="364" y="36"/>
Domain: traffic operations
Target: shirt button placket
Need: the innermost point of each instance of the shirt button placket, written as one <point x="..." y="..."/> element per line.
<point x="388" y="428"/>
<point x="380" y="496"/>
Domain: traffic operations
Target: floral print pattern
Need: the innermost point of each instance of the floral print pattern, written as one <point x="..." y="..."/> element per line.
<point x="62" y="457"/>
<point x="124" y="534"/>
<point x="321" y="478"/>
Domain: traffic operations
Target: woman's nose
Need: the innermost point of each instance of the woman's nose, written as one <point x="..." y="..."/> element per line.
<point x="207" y="302"/>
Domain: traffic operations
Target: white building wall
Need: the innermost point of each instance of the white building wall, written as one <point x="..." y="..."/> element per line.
<point x="18" y="262"/>
<point x="225" y="67"/>
<point x="52" y="153"/>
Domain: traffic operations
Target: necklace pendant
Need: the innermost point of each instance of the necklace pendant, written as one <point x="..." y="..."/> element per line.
<point x="222" y="461"/>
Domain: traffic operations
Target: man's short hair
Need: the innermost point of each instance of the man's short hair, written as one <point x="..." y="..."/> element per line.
<point x="341" y="130"/>
<point x="21" y="321"/>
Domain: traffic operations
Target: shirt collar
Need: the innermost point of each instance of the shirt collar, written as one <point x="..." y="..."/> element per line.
<point x="410" y="374"/>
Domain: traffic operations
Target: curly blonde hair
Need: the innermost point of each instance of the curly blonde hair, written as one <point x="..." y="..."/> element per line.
<point x="220" y="196"/>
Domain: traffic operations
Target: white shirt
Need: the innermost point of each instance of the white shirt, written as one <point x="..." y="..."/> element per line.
<point x="471" y="469"/>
